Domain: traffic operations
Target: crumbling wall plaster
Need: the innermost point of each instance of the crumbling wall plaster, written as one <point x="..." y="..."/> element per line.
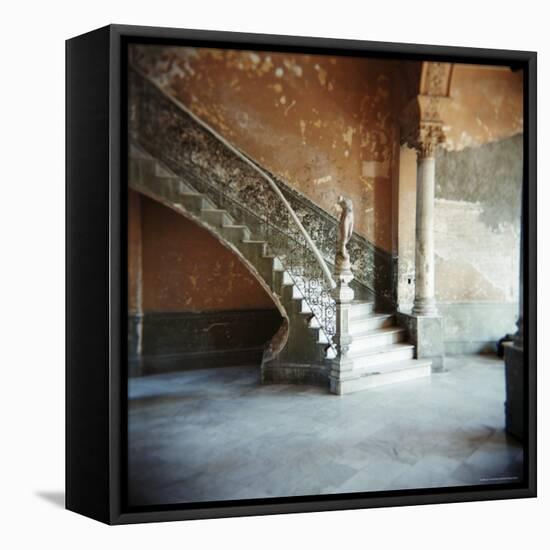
<point x="477" y="233"/>
<point x="323" y="124"/>
<point x="477" y="222"/>
<point x="474" y="261"/>
<point x="485" y="105"/>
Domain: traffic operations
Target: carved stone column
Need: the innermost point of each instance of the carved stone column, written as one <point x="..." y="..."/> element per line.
<point x="424" y="324"/>
<point x="429" y="136"/>
<point x="422" y="129"/>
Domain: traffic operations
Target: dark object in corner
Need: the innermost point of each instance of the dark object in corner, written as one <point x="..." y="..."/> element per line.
<point x="501" y="342"/>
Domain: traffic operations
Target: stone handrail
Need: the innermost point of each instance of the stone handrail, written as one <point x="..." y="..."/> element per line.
<point x="326" y="271"/>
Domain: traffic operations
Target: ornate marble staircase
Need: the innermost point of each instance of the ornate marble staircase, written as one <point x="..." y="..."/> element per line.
<point x="304" y="348"/>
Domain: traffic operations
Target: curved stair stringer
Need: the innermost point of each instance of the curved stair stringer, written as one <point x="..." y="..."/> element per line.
<point x="296" y="353"/>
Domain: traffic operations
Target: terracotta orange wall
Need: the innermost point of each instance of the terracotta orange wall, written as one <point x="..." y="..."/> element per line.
<point x="184" y="268"/>
<point x="134" y="252"/>
<point x="485" y="105"/>
<point x="324" y="124"/>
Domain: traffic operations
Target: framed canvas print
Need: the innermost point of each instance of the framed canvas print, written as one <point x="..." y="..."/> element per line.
<point x="301" y="274"/>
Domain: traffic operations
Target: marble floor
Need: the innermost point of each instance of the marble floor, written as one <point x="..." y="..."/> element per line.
<point x="217" y="434"/>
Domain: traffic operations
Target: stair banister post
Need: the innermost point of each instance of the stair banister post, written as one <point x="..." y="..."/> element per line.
<point x="342" y="364"/>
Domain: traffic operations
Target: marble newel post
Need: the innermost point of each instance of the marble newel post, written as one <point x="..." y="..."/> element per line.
<point x="342" y="364"/>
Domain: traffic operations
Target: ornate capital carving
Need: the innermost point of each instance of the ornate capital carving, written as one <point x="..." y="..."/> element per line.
<point x="428" y="136"/>
<point x="422" y="127"/>
<point x="421" y="120"/>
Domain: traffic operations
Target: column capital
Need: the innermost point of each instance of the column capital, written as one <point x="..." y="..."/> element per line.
<point x="422" y="125"/>
<point x="428" y="136"/>
<point x="422" y="118"/>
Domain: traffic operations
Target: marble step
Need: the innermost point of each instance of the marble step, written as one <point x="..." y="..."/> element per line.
<point x="138" y="167"/>
<point x="136" y="153"/>
<point x="162" y="172"/>
<point x="169" y="178"/>
<point x="382" y="355"/>
<point x="148" y="174"/>
<point x="277" y="263"/>
<point x="377" y="338"/>
<point x="401" y="371"/>
<point x="361" y="309"/>
<point x="253" y="249"/>
<point x="371" y="322"/>
<point x="330" y="352"/>
<point x="235" y="233"/>
<point x="193" y="202"/>
<point x="290" y="293"/>
<point x="282" y="277"/>
<point x="216" y="217"/>
<point x="322" y="338"/>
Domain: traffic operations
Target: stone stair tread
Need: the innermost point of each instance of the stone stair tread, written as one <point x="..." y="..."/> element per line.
<point x="394" y="366"/>
<point x="138" y="152"/>
<point x="377" y="332"/>
<point x="381" y="349"/>
<point x="374" y="315"/>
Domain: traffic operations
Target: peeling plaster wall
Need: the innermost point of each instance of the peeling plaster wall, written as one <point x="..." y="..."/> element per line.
<point x="187" y="269"/>
<point x="477" y="239"/>
<point x="323" y="124"/>
<point x="486" y="105"/>
<point x="477" y="222"/>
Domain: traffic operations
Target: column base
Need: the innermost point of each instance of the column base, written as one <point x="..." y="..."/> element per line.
<point x="424" y="308"/>
<point x="426" y="333"/>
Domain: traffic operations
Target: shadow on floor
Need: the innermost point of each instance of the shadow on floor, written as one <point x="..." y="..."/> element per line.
<point x="57" y="498"/>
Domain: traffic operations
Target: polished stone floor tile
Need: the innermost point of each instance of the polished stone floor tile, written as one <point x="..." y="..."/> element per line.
<point x="218" y="434"/>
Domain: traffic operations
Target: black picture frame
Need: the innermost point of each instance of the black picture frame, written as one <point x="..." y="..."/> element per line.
<point x="96" y="355"/>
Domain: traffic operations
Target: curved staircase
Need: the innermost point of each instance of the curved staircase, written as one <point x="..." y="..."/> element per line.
<point x="302" y="350"/>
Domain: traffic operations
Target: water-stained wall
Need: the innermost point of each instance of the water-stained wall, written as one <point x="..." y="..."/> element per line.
<point x="477" y="235"/>
<point x="477" y="223"/>
<point x="323" y="124"/>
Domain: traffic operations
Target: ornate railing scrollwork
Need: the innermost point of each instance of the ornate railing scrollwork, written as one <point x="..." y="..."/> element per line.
<point x="267" y="213"/>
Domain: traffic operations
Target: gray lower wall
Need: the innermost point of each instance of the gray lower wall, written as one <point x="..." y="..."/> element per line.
<point x="172" y="341"/>
<point x="476" y="327"/>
